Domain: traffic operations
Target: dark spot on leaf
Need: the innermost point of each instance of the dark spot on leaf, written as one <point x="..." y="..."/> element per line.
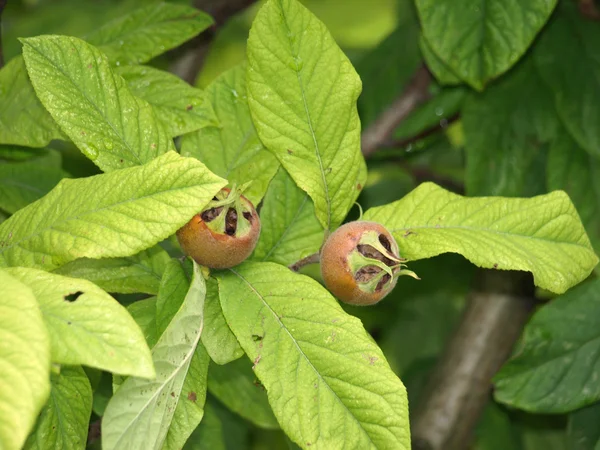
<point x="89" y="66"/>
<point x="496" y="266"/>
<point x="172" y="394"/>
<point x="72" y="297"/>
<point x="121" y="160"/>
<point x="359" y="186"/>
<point x="69" y="322"/>
<point x="192" y="396"/>
<point x="256" y="337"/>
<point x="290" y="152"/>
<point x="153" y="145"/>
<point x="189" y="107"/>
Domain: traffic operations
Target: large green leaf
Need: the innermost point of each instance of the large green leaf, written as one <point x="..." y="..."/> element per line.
<point x="171" y="294"/>
<point x="481" y="40"/>
<point x="327" y="381"/>
<point x="142" y="412"/>
<point x="569" y="61"/>
<point x="236" y="386"/>
<point x="179" y="107"/>
<point x="302" y="93"/>
<point x="583" y="432"/>
<point x="507" y="133"/>
<point x="444" y="74"/>
<point x="92" y="105"/>
<point x="110" y="215"/>
<point x="148" y="32"/>
<point x="131" y="274"/>
<point x="24" y="362"/>
<point x="144" y="314"/>
<point x="290" y="229"/>
<point x="220" y="343"/>
<point x="574" y="170"/>
<point x="542" y="235"/>
<point x="232" y="149"/>
<point x="23" y="119"/>
<point x="63" y="423"/>
<point x="22" y="183"/>
<point x="557" y="369"/>
<point x="86" y="325"/>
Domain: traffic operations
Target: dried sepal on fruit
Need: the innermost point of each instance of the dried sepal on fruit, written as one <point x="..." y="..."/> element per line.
<point x="360" y="263"/>
<point x="224" y="233"/>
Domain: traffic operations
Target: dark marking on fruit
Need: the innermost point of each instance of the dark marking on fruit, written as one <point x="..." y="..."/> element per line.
<point x="211" y="214"/>
<point x="247" y="216"/>
<point x="72" y="297"/>
<point x="369" y="252"/>
<point x="366" y="273"/>
<point x="383" y="281"/>
<point x="230" y="222"/>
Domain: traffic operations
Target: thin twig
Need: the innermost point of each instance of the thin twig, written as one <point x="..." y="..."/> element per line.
<point x="400" y="143"/>
<point x="188" y="65"/>
<point x="414" y="95"/>
<point x="310" y="259"/>
<point x="2" y="6"/>
<point x="589" y="10"/>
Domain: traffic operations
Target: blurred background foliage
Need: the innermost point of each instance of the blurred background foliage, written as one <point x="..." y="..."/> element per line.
<point x="507" y="140"/>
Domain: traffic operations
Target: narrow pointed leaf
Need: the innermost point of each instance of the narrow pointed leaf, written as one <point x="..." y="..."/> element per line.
<point x="149" y="31"/>
<point x="480" y="45"/>
<point x="23" y="119"/>
<point x="140" y="273"/>
<point x="110" y="215"/>
<point x="542" y="235"/>
<point x="64" y="420"/>
<point x="302" y="93"/>
<point x="220" y="343"/>
<point x="22" y="183"/>
<point x="327" y="381"/>
<point x="556" y="370"/>
<point x="232" y="148"/>
<point x="179" y="107"/>
<point x="289" y="228"/>
<point x="25" y="362"/>
<point x="141" y="412"/>
<point x="236" y="386"/>
<point x="86" y="325"/>
<point x="92" y="104"/>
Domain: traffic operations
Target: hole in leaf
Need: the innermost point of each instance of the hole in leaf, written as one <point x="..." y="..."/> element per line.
<point x="72" y="297"/>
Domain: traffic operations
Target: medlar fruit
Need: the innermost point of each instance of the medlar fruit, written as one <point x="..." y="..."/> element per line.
<point x="223" y="234"/>
<point x="360" y="263"/>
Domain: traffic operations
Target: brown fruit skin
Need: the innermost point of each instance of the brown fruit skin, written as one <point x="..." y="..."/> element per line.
<point x="216" y="250"/>
<point x="335" y="269"/>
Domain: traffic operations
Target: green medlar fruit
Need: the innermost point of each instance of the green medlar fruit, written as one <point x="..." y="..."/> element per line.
<point x="223" y="234"/>
<point x="360" y="263"/>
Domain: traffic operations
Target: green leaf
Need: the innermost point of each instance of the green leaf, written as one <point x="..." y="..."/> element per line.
<point x="64" y="420"/>
<point x="110" y="215"/>
<point x="148" y="32"/>
<point x="92" y="105"/>
<point x="327" y="381"/>
<point x="556" y="370"/>
<point x="25" y="359"/>
<point x="179" y="107"/>
<point x="171" y="294"/>
<point x="232" y="149"/>
<point x="479" y="45"/>
<point x="140" y="273"/>
<point x="571" y="168"/>
<point x="386" y="70"/>
<point x="507" y="132"/>
<point x="583" y="432"/>
<point x="144" y="314"/>
<point x="220" y="343"/>
<point x="302" y="93"/>
<point x="190" y="407"/>
<point x="86" y="325"/>
<point x="289" y="228"/>
<point x="22" y="183"/>
<point x="444" y="74"/>
<point x="23" y="119"/>
<point x="141" y="412"/>
<point x="569" y="60"/>
<point x="236" y="386"/>
<point x="495" y="430"/>
<point x="542" y="235"/>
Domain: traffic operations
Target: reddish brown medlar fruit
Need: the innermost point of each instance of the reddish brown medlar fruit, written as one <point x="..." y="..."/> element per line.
<point x="223" y="234"/>
<point x="360" y="263"/>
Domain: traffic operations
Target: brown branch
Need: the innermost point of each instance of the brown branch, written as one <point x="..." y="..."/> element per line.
<point x="414" y="95"/>
<point x="310" y="259"/>
<point x="461" y="383"/>
<point x="188" y="65"/>
<point x="589" y="10"/>
<point x="2" y="6"/>
<point x="400" y="143"/>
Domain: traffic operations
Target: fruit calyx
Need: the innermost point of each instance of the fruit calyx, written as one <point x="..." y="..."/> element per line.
<point x="229" y="213"/>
